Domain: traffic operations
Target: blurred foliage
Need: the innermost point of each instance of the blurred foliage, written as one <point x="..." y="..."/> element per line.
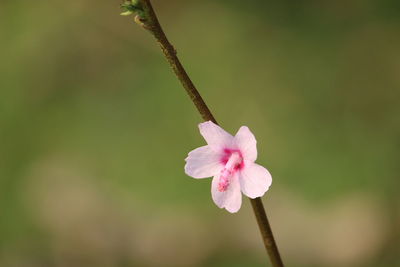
<point x="95" y="127"/>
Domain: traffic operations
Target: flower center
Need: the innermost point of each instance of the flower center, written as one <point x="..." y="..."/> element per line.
<point x="234" y="163"/>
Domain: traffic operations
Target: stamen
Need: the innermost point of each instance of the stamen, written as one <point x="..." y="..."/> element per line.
<point x="227" y="172"/>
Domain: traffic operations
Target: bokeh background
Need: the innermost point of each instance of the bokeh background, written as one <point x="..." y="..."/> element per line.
<point x="94" y="129"/>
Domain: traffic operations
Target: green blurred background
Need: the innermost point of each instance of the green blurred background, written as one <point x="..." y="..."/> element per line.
<point x="94" y="129"/>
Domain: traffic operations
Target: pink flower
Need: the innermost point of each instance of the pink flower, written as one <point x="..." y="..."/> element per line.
<point x="230" y="159"/>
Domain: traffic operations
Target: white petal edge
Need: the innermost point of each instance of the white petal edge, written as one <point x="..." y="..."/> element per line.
<point x="247" y="143"/>
<point x="254" y="180"/>
<point x="203" y="162"/>
<point x="231" y="199"/>
<point x="215" y="136"/>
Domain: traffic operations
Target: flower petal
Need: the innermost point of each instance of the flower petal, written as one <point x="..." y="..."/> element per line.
<point x="215" y="136"/>
<point x="203" y="162"/>
<point x="254" y="180"/>
<point x="231" y="199"/>
<point x="247" y="143"/>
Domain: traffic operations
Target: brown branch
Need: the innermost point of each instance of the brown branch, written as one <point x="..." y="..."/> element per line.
<point x="150" y="22"/>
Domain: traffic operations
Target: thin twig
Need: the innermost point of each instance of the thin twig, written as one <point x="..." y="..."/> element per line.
<point x="149" y="21"/>
<point x="266" y="232"/>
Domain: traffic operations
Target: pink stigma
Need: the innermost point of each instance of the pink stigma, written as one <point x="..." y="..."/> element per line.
<point x="233" y="162"/>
